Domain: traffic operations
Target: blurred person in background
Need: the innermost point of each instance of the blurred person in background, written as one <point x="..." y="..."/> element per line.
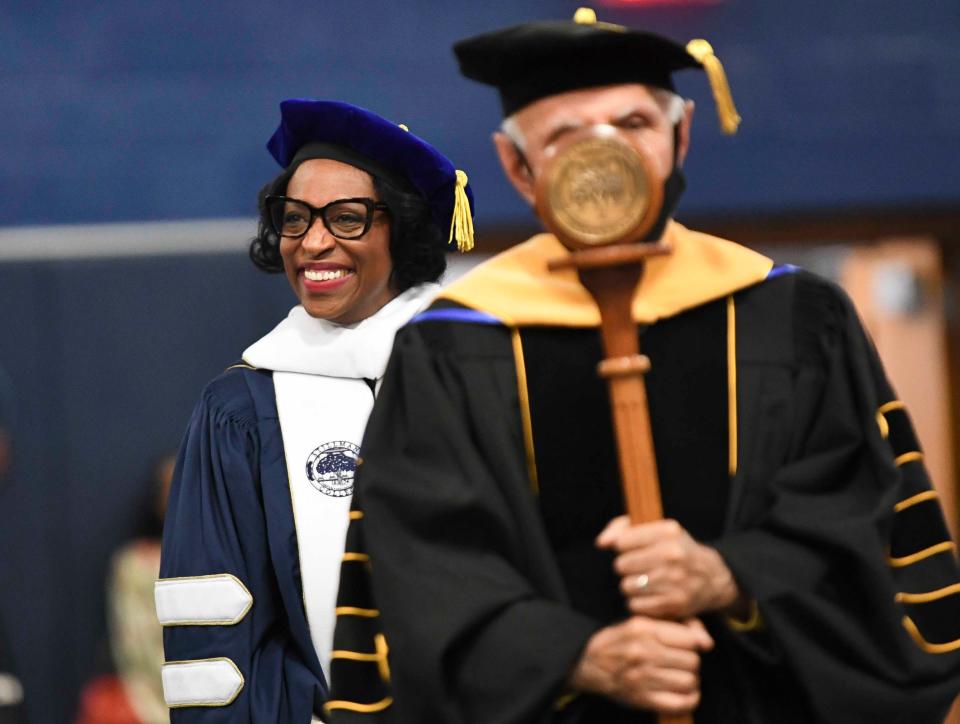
<point x="805" y="573"/>
<point x="134" y="694"/>
<point x="359" y="221"/>
<point x="6" y="429"/>
<point x="11" y="695"/>
<point x="11" y="690"/>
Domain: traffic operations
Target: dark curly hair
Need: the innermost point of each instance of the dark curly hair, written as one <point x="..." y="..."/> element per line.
<point x="417" y="247"/>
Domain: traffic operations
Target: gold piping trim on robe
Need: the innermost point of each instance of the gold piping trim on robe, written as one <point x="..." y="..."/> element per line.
<point x="357" y="706"/>
<point x="914" y="499"/>
<point x="517" y="287"/>
<point x="933" y="550"/>
<point x="350" y="557"/>
<point x="379" y="657"/>
<point x="356" y="515"/>
<point x="355" y="611"/>
<point x="927" y="646"/>
<point x="240" y="366"/>
<point x="525" y="418"/>
<point x="908" y="457"/>
<point x="564" y="701"/>
<point x="753" y="622"/>
<point x="732" y="383"/>
<point x="929" y="595"/>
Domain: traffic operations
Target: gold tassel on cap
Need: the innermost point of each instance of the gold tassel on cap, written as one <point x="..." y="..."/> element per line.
<point x="461" y="225"/>
<point x="702" y="51"/>
<point x="588" y="16"/>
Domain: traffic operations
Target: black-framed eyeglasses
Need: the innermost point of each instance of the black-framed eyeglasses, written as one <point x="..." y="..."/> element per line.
<point x="344" y="218"/>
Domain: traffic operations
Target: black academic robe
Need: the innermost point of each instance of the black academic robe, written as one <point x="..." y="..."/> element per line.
<point x="489" y="468"/>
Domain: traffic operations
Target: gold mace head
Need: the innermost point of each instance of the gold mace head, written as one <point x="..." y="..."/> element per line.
<point x="598" y="188"/>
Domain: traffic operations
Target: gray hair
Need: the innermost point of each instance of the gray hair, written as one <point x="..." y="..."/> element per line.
<point x="511" y="130"/>
<point x="673" y="104"/>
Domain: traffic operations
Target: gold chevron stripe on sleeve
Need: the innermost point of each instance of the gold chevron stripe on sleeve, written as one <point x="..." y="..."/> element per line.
<point x="929" y="595"/>
<point x="921" y="555"/>
<point x="891" y="406"/>
<point x="355" y="611"/>
<point x="931" y="648"/>
<point x="357" y="706"/>
<point x="908" y="457"/>
<point x="353" y="655"/>
<point x="914" y="499"/>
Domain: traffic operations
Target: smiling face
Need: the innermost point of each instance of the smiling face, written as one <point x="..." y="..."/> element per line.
<point x="342" y="281"/>
<point x="637" y="111"/>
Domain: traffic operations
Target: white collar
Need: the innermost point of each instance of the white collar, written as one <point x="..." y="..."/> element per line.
<point x="303" y="344"/>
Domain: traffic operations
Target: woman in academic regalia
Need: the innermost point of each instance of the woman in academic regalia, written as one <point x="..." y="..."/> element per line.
<point x="359" y="221"/>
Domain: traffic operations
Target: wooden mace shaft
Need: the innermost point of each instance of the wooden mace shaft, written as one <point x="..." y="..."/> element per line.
<point x="613" y="288"/>
<point x="628" y="399"/>
<point x="623" y="368"/>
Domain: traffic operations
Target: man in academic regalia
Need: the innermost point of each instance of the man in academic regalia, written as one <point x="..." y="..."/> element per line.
<point x="804" y="572"/>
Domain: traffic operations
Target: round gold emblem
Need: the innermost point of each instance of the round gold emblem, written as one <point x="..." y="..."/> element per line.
<point x="597" y="190"/>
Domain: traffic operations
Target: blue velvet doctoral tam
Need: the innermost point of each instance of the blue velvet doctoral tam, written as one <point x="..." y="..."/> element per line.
<point x="384" y="148"/>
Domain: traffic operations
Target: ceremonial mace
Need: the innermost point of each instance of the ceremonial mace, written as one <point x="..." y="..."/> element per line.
<point x="599" y="194"/>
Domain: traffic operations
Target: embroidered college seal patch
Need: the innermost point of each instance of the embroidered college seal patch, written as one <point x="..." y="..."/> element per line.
<point x="331" y="466"/>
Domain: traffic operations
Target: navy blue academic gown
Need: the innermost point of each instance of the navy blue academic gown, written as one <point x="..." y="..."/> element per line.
<point x="230" y="512"/>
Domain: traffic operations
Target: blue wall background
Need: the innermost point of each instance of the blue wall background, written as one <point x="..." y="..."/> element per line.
<point x="159" y="110"/>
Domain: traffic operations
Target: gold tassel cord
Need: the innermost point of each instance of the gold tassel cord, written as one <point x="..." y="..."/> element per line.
<point x="461" y="225"/>
<point x="702" y="51"/>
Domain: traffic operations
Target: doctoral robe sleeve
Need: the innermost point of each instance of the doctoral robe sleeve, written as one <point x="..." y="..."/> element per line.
<point x="472" y="614"/>
<point x="230" y="656"/>
<point x="847" y="555"/>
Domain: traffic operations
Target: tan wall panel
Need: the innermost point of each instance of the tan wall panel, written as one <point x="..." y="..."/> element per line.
<point x="911" y="341"/>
